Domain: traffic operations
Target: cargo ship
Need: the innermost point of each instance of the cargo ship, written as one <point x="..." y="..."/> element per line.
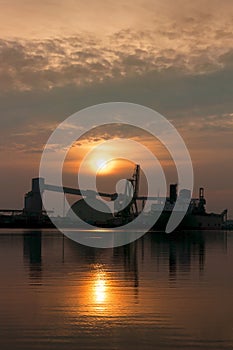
<point x="196" y="217"/>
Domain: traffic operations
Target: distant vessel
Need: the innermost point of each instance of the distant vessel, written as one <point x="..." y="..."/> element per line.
<point x="196" y="216"/>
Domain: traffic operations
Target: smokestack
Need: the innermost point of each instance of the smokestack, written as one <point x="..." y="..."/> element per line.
<point x="173" y="193"/>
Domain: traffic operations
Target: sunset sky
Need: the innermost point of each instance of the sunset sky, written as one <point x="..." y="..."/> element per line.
<point x="57" y="57"/>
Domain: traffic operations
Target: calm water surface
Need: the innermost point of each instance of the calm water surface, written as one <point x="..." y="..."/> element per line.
<point x="161" y="292"/>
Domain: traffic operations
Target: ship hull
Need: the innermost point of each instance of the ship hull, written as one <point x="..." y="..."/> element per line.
<point x="192" y="222"/>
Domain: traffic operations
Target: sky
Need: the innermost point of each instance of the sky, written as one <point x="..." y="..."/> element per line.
<point x="57" y="57"/>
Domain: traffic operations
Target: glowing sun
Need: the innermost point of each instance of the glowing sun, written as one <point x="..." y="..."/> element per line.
<point x="102" y="166"/>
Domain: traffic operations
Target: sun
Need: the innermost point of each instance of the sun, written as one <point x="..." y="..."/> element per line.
<point x="104" y="166"/>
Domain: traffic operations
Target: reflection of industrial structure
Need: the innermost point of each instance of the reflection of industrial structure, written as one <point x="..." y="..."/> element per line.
<point x="126" y="207"/>
<point x="177" y="254"/>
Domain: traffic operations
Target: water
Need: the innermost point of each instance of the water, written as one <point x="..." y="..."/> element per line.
<point x="161" y="292"/>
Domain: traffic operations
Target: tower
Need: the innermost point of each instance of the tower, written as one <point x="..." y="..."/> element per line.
<point x="32" y="200"/>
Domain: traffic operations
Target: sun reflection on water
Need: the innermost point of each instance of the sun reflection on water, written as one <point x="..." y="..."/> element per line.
<point x="100" y="294"/>
<point x="100" y="288"/>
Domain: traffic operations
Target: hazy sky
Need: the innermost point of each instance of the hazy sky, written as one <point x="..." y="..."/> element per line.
<point x="60" y="56"/>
